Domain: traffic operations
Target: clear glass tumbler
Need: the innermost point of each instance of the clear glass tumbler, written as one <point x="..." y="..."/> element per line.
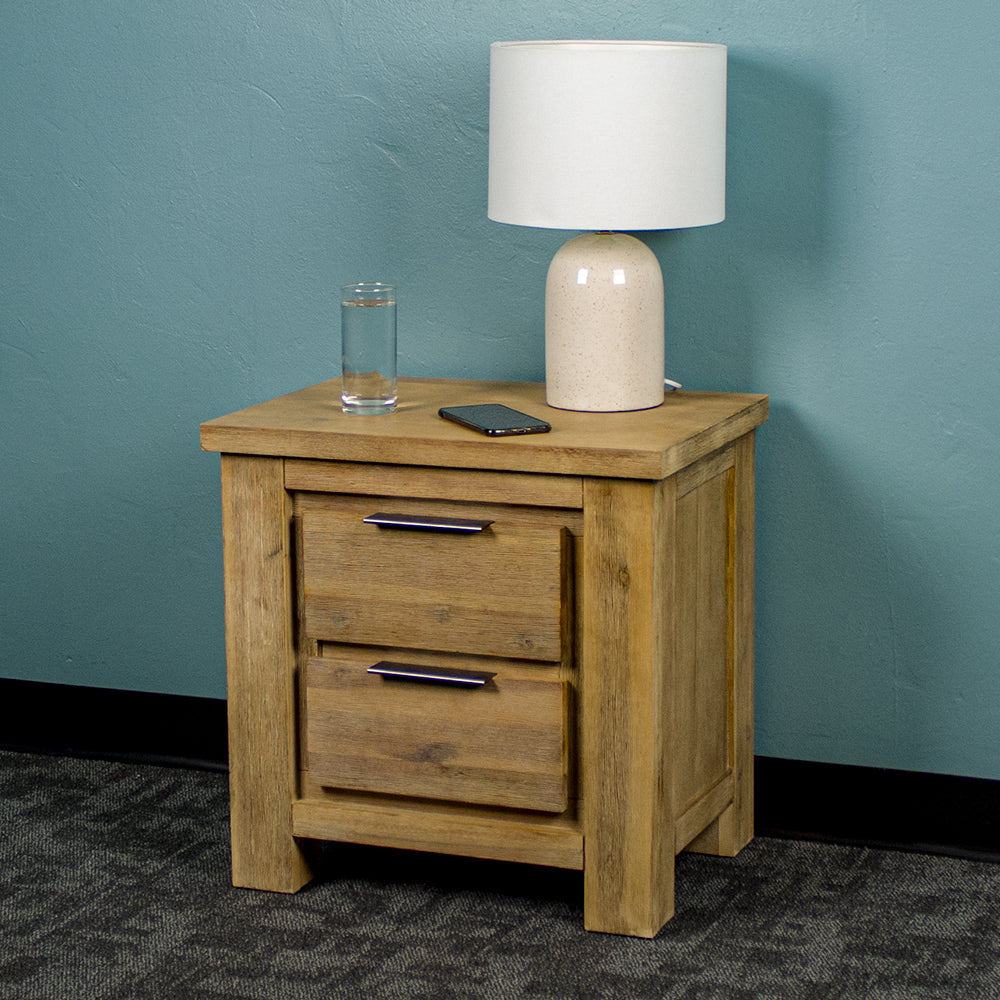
<point x="368" y="348"/>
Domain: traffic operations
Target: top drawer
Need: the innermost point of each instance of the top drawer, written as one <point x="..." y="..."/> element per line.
<point x="498" y="592"/>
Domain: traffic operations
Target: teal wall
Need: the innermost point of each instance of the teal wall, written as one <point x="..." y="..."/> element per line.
<point x="183" y="185"/>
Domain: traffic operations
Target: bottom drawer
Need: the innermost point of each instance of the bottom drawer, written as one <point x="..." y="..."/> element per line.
<point x="503" y="743"/>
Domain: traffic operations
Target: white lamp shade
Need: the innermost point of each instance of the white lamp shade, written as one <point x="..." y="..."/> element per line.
<point x="607" y="135"/>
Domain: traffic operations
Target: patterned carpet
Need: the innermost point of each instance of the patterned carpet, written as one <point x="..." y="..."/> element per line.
<point x="114" y="883"/>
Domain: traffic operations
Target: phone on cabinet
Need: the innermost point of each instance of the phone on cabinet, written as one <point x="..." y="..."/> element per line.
<point x="494" y="419"/>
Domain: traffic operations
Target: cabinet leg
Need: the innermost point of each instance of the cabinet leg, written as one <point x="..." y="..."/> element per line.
<point x="720" y="837"/>
<point x="626" y="663"/>
<point x="260" y="664"/>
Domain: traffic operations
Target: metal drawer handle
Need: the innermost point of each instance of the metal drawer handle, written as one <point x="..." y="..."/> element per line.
<point x="431" y="675"/>
<point x="419" y="523"/>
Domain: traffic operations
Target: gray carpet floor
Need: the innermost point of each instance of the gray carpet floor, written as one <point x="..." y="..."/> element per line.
<point x="114" y="883"/>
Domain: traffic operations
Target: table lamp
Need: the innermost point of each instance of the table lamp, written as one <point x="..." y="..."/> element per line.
<point x="606" y="136"/>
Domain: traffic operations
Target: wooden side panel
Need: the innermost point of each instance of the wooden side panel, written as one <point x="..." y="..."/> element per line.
<point x="703" y="812"/>
<point x="733" y="830"/>
<point x="498" y="593"/>
<point x="260" y="659"/>
<point x="502" y="744"/>
<point x="627" y="665"/>
<point x="700" y="713"/>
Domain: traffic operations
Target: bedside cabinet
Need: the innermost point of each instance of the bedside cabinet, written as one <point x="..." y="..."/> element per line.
<point x="535" y="649"/>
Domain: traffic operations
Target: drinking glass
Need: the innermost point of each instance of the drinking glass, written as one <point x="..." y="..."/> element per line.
<point x="368" y="348"/>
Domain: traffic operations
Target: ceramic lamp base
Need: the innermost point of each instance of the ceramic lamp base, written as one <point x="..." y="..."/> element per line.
<point x="604" y="325"/>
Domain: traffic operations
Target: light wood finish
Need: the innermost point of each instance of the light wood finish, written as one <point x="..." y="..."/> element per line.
<point x="261" y="677"/>
<point x="700" y="706"/>
<point x="703" y="470"/>
<point x="733" y="829"/>
<point x="497" y="593"/>
<point x="643" y="444"/>
<point x="501" y="744"/>
<point x="465" y="485"/>
<point x="649" y="590"/>
<point x="306" y="504"/>
<point x="703" y="813"/>
<point x="501" y="835"/>
<point x="627" y="663"/>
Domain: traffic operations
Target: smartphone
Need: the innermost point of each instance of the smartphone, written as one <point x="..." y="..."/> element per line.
<point x="494" y="419"/>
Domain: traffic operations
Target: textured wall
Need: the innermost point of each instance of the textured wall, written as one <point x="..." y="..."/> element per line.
<point x="183" y="186"/>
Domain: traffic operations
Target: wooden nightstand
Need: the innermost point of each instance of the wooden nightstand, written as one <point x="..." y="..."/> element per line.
<point x="601" y="626"/>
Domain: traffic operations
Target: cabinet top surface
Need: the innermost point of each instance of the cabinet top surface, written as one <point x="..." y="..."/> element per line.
<point x="638" y="444"/>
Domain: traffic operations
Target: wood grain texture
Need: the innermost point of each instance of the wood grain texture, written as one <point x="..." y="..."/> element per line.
<point x="306" y="503"/>
<point x="502" y="744"/>
<point x="497" y="593"/>
<point x="702" y="813"/>
<point x="627" y="664"/>
<point x="623" y="555"/>
<point x="260" y="656"/>
<point x="425" y="826"/>
<point x="462" y="485"/>
<point x="644" y="444"/>
<point x="699" y="714"/>
<point x="733" y="830"/>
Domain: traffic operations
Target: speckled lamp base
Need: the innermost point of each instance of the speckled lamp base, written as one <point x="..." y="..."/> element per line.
<point x="604" y="325"/>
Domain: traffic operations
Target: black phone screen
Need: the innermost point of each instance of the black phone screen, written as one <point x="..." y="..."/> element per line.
<point x="494" y="419"/>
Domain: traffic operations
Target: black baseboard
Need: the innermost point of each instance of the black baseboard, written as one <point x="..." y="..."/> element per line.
<point x="169" y="729"/>
<point x="877" y="807"/>
<point x="900" y="810"/>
